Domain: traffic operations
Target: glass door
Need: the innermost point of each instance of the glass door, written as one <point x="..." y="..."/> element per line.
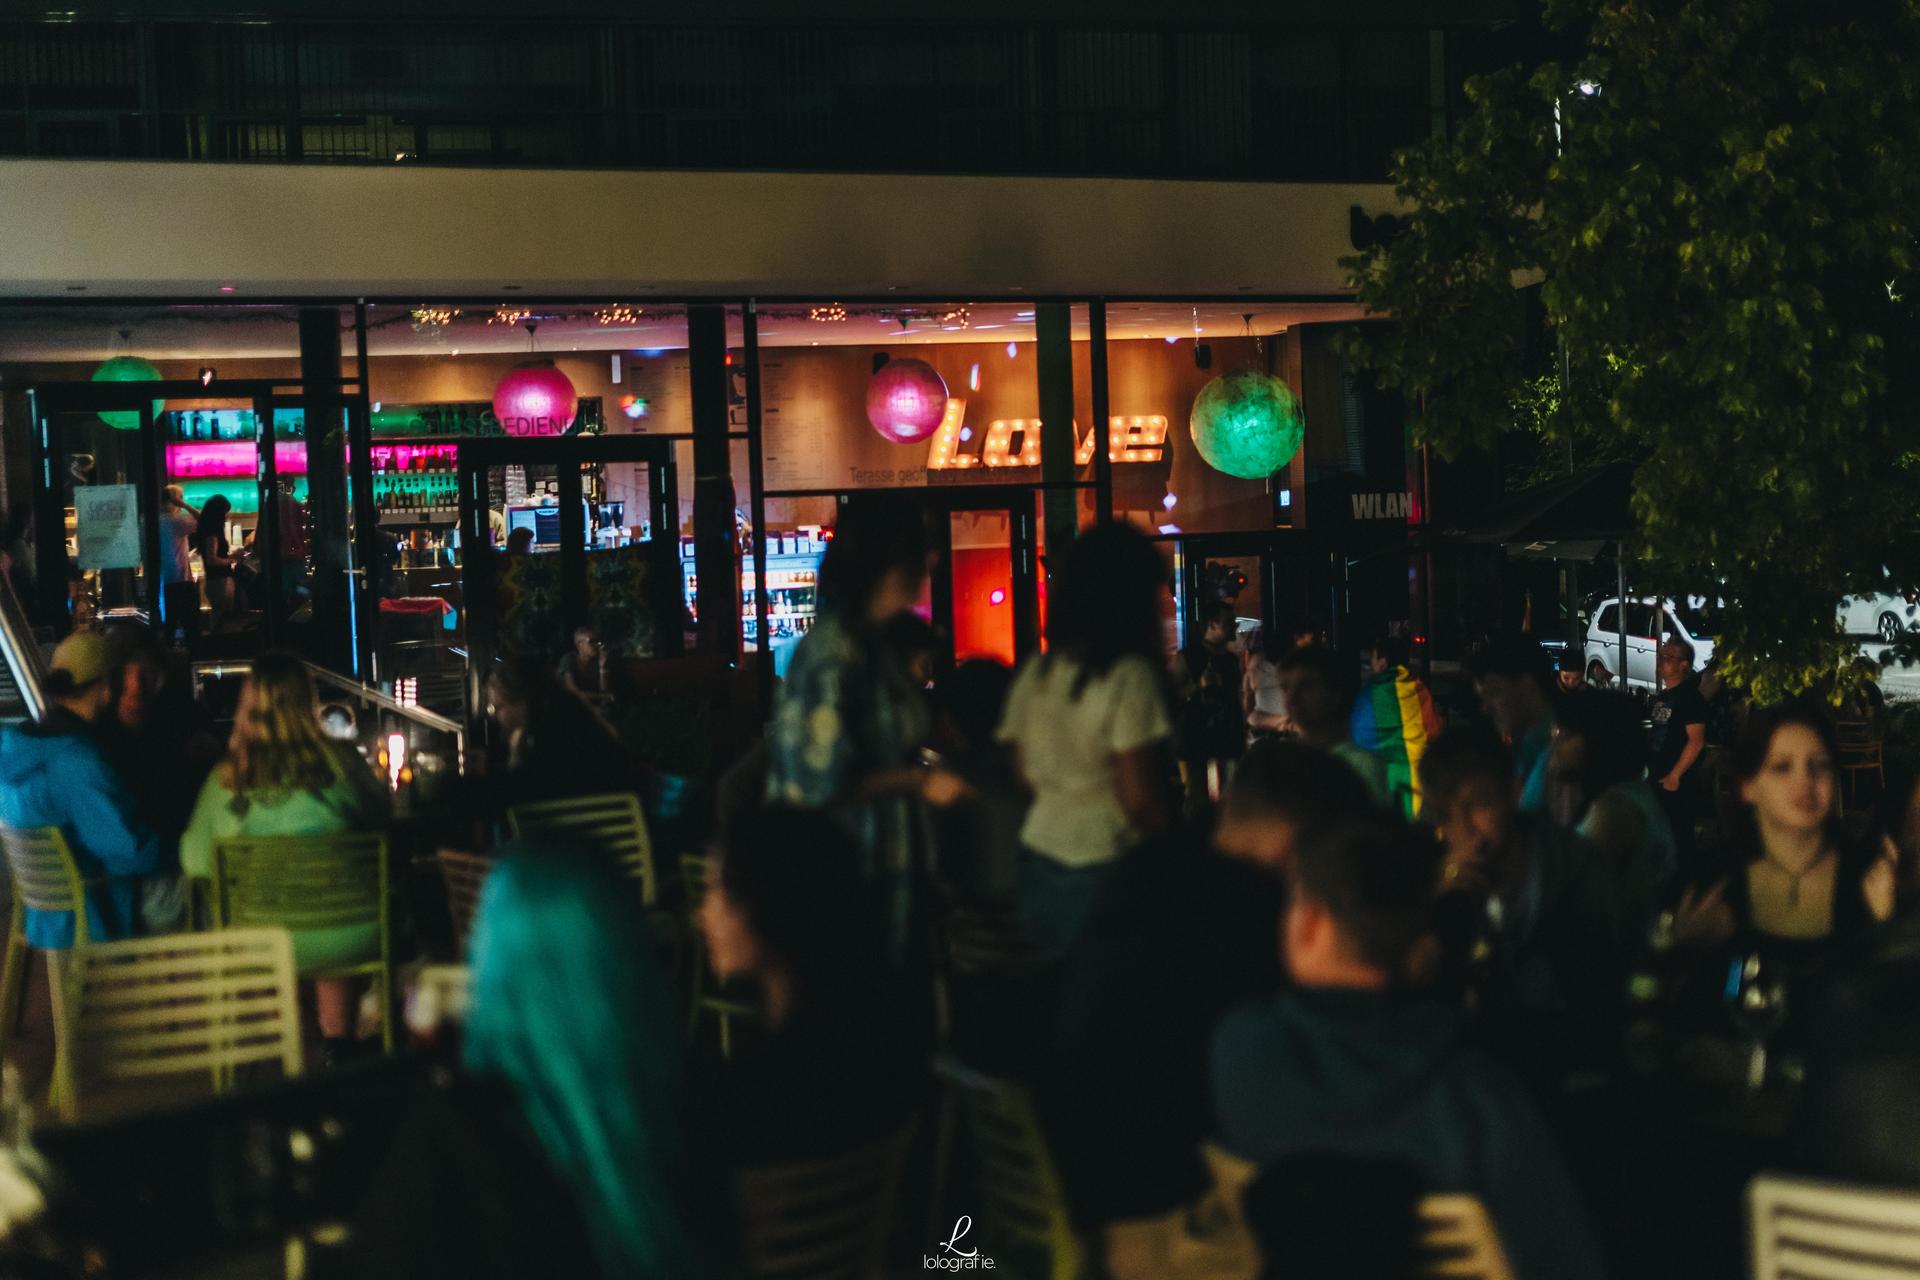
<point x="193" y="511"/>
<point x="96" y="517"/>
<point x="983" y="596"/>
<point x="556" y="535"/>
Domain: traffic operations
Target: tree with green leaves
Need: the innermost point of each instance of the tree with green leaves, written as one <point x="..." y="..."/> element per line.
<point x="1719" y="201"/>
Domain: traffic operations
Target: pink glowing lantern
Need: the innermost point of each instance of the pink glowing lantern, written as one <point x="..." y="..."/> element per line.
<point x="906" y="400"/>
<point x="535" y="400"/>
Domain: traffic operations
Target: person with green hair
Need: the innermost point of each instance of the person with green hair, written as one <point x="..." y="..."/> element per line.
<point x="565" y="1146"/>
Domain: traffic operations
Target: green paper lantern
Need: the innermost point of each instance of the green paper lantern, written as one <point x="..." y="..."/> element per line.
<point x="1247" y="424"/>
<point x="127" y="369"/>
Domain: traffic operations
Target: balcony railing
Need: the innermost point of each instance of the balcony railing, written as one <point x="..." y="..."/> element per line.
<point x="1255" y="101"/>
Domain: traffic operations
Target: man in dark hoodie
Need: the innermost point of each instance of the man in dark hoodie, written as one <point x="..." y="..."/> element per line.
<point x="1180" y="934"/>
<point x="1344" y="1064"/>
<point x="53" y="774"/>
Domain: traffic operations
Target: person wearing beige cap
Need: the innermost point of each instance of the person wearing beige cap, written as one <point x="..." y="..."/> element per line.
<point x="52" y="774"/>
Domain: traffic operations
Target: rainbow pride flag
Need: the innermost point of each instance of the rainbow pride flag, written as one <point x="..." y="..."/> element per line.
<point x="1394" y="718"/>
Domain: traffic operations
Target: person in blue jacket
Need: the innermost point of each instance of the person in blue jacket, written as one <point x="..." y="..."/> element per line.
<point x="52" y="774"/>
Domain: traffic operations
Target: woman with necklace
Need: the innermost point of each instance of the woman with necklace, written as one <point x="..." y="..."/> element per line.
<point x="1796" y="890"/>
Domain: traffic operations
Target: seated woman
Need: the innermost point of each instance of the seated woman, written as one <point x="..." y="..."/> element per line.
<point x="1859" y="1115"/>
<point x="564" y="1148"/>
<point x="556" y="745"/>
<point x="1794" y="891"/>
<point x="584" y="671"/>
<point x="284" y="777"/>
<point x="844" y="1062"/>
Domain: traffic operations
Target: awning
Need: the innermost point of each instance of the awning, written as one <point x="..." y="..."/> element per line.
<point x="1573" y="518"/>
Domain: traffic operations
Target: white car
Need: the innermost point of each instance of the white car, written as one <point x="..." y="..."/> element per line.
<point x="1648" y="623"/>
<point x="1887" y="616"/>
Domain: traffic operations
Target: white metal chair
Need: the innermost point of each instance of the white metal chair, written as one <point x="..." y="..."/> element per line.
<point x="1806" y="1229"/>
<point x="1458" y="1240"/>
<point x="614" y="823"/>
<point x="45" y="878"/>
<point x="181" y="1003"/>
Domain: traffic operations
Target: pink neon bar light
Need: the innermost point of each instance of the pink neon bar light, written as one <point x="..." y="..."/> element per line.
<point x="212" y="458"/>
<point x="407" y="457"/>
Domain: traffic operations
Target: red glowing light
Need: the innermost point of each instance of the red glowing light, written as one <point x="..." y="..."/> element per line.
<point x="906" y="400"/>
<point x="535" y="400"/>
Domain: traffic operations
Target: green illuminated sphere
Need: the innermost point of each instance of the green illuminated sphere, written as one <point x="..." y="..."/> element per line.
<point x="127" y="369"/>
<point x="1247" y="424"/>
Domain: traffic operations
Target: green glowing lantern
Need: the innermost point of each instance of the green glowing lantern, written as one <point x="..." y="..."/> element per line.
<point x="1247" y="424"/>
<point x="127" y="369"/>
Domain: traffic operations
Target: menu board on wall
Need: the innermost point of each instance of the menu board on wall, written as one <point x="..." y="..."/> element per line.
<point x="107" y="517"/>
<point x="814" y="430"/>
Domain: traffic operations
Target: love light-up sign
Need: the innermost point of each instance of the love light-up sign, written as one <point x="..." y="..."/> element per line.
<point x="1015" y="442"/>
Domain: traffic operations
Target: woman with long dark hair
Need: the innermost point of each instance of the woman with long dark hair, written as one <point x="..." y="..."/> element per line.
<point x="1089" y="722"/>
<point x="217" y="558"/>
<point x="789" y="910"/>
<point x="849" y="724"/>
<point x="1798" y="898"/>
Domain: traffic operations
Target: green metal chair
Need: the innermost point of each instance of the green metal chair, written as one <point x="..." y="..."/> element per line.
<point x="615" y="823"/>
<point x="311" y="882"/>
<point x="703" y="997"/>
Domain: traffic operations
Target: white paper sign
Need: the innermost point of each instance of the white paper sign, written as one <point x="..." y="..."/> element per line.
<point x="108" y="516"/>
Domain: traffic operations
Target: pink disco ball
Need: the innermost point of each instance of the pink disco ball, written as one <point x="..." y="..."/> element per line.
<point x="906" y="400"/>
<point x="535" y="399"/>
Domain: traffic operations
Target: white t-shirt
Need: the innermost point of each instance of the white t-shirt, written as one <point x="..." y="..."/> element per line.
<point x="1067" y="748"/>
<point x="176" y="534"/>
<point x="1263" y="677"/>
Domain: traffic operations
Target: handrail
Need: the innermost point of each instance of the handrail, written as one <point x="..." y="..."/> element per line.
<point x="367" y="693"/>
<point x="386" y="702"/>
<point x="24" y="660"/>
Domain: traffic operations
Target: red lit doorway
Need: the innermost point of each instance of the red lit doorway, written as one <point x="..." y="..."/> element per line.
<point x="984" y="593"/>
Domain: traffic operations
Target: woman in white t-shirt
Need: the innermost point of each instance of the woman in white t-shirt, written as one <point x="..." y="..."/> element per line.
<point x="1089" y="724"/>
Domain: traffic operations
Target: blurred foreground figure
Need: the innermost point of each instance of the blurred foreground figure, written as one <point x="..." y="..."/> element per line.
<point x="565" y="1147"/>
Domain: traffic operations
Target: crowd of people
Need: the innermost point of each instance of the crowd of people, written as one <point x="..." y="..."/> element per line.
<point x="1272" y="905"/>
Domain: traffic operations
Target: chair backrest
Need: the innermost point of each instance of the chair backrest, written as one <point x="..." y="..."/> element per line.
<point x="1855" y="734"/>
<point x="1458" y="1240"/>
<point x="45" y="876"/>
<point x="987" y="942"/>
<point x="1022" y="1204"/>
<point x="824" y="1219"/>
<point x="301" y="882"/>
<point x="614" y="823"/>
<point x="464" y="875"/>
<point x="438" y="995"/>
<point x="1814" y="1230"/>
<point x="695" y="871"/>
<point x="184" y="1002"/>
